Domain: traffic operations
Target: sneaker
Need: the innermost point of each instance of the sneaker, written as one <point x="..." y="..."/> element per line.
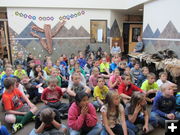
<point x="33" y="118"/>
<point x="17" y="127"/>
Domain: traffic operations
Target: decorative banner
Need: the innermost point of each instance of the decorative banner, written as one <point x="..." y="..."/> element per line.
<point x="49" y="18"/>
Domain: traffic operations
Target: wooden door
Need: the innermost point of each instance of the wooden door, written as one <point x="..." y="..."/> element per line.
<point x="135" y="30"/>
<point x="4" y="43"/>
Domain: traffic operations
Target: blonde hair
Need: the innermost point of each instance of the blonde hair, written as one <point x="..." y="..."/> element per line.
<point x="52" y="80"/>
<point x="151" y="75"/>
<point x="144" y="68"/>
<point x="109" y="101"/>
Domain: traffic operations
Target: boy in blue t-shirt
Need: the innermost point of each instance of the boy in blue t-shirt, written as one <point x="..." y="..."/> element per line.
<point x="164" y="105"/>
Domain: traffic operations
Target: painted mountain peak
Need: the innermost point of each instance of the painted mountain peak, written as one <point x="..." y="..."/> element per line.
<point x="115" y="32"/>
<point x="148" y="33"/>
<point x="83" y="32"/>
<point x="170" y="31"/>
<point x="156" y="33"/>
<point x="12" y="33"/>
<point x="64" y="32"/>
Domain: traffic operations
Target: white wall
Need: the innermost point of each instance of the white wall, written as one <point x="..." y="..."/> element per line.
<point x="119" y="18"/>
<point x="165" y="16"/>
<point x="158" y="13"/>
<point x="18" y="23"/>
<point x="93" y="4"/>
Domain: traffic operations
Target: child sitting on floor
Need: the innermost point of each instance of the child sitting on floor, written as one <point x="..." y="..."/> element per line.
<point x="136" y="112"/>
<point x="127" y="71"/>
<point x="104" y="67"/>
<point x="32" y="89"/>
<point x="164" y="105"/>
<point x="115" y="80"/>
<point x="76" y="86"/>
<point x="163" y="79"/>
<point x="132" y="63"/>
<point x="126" y="88"/>
<point x="8" y="73"/>
<point x="51" y="96"/>
<point x="48" y="67"/>
<point x="136" y="71"/>
<point x="113" y="116"/>
<point x="122" y="66"/>
<point x="142" y="77"/>
<point x="17" y="112"/>
<point x="100" y="92"/>
<point x="150" y="87"/>
<point x="82" y="118"/>
<point x="19" y="72"/>
<point x="93" y="78"/>
<point x="48" y="122"/>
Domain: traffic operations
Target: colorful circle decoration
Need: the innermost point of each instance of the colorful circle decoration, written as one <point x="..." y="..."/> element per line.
<point x="50" y="18"/>
<point x="24" y="15"/>
<point x="70" y="16"/>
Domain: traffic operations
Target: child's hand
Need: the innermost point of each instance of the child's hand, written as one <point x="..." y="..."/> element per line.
<point x="137" y="109"/>
<point x="171" y="116"/>
<point x="39" y="74"/>
<point x="84" y="110"/>
<point x="145" y="128"/>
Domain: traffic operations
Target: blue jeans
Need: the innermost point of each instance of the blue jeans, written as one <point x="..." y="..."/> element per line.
<point x="104" y="132"/>
<point x="96" y="104"/>
<point x="161" y="120"/>
<point x="3" y="130"/>
<point x="96" y="130"/>
<point x="140" y="120"/>
<point x="33" y="132"/>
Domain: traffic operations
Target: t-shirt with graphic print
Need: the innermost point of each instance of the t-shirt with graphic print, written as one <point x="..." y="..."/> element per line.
<point x="12" y="100"/>
<point x="52" y="95"/>
<point x="111" y="116"/>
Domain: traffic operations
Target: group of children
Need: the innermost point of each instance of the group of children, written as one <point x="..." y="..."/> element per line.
<point x="118" y="90"/>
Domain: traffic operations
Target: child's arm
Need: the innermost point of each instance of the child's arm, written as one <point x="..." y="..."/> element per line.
<point x="56" y="124"/>
<point x="99" y="100"/>
<point x="125" y="96"/>
<point x="87" y="89"/>
<point x="91" y="117"/>
<point x="75" y="120"/>
<point x="40" y="128"/>
<point x="16" y="112"/>
<point x="28" y="101"/>
<point x="146" y="119"/>
<point x="132" y="118"/>
<point x="105" y="122"/>
<point x="123" y="121"/>
<point x="70" y="92"/>
<point x="156" y="108"/>
<point x="112" y="85"/>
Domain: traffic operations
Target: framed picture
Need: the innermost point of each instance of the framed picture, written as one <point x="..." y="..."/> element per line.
<point x="98" y="31"/>
<point x="135" y="33"/>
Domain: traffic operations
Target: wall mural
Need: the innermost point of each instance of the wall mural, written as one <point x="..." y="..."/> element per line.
<point x="115" y="31"/>
<point x="53" y="41"/>
<point x="154" y="41"/>
<point x="46" y="43"/>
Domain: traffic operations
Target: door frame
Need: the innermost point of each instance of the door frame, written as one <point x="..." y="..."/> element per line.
<point x="126" y="26"/>
<point x="131" y="34"/>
